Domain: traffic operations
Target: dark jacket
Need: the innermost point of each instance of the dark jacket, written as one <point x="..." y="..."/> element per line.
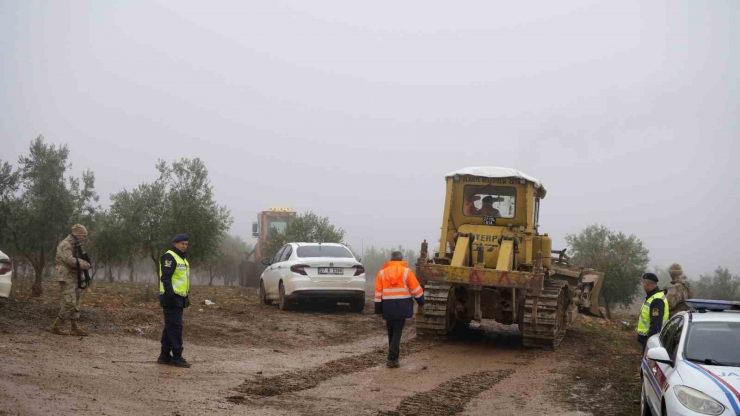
<point x="657" y="307"/>
<point x="170" y="299"/>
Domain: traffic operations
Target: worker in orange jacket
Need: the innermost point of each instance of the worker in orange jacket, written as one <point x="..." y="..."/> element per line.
<point x="394" y="286"/>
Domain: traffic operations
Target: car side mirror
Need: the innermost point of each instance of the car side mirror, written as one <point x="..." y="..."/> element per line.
<point x="659" y="354"/>
<point x="266" y="262"/>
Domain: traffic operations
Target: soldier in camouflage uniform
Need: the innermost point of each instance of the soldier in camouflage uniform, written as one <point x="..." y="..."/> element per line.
<point x="679" y="291"/>
<point x="68" y="260"/>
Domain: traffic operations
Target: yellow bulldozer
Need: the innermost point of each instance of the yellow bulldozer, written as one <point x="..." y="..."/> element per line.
<point x="493" y="263"/>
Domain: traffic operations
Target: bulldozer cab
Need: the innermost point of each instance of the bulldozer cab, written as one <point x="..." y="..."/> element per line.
<point x="491" y="204"/>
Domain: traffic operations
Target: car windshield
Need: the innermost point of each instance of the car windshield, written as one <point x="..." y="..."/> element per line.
<point x="324" y="251"/>
<point x="489" y="201"/>
<point x="722" y="349"/>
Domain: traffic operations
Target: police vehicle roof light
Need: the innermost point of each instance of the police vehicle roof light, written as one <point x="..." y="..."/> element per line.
<point x="703" y="305"/>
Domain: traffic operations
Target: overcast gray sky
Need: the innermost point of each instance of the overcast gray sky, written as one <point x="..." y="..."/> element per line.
<point x="626" y="111"/>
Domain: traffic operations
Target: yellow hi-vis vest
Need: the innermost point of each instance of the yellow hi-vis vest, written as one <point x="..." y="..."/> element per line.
<point x="643" y="325"/>
<point x="180" y="278"/>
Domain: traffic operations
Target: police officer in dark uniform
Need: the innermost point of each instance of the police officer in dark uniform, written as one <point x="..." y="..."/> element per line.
<point x="654" y="311"/>
<point x="174" y="286"/>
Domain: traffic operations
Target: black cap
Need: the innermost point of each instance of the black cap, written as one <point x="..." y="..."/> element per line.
<point x="650" y="276"/>
<point x="180" y="237"/>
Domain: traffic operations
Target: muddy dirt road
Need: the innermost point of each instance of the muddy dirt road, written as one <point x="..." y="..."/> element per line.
<point x="257" y="360"/>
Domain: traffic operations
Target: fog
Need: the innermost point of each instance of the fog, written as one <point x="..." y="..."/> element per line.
<point x="626" y="111"/>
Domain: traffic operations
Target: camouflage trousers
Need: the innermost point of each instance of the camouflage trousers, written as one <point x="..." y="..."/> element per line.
<point x="70" y="301"/>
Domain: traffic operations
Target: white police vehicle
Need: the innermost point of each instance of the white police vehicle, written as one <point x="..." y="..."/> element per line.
<point x="693" y="366"/>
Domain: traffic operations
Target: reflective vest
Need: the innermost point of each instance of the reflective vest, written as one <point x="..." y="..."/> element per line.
<point x="397" y="281"/>
<point x="643" y="325"/>
<point x="180" y="278"/>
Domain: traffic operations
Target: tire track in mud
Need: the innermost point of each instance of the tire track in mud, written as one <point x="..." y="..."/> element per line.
<point x="450" y="397"/>
<point x="308" y="378"/>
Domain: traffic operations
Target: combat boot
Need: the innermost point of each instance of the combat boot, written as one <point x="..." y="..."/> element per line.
<point x="56" y="328"/>
<point x="76" y="330"/>
<point x="178" y="360"/>
<point x="164" y="357"/>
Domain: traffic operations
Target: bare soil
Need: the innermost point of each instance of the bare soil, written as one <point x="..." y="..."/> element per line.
<point x="252" y="359"/>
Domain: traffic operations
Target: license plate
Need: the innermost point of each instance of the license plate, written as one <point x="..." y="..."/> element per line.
<point x="489" y="220"/>
<point x="331" y="270"/>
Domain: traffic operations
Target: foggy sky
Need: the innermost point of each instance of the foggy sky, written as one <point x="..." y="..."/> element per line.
<point x="626" y="111"/>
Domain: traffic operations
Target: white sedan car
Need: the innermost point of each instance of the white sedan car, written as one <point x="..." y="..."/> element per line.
<point x="6" y="277"/>
<point x="318" y="271"/>
<point x="693" y="366"/>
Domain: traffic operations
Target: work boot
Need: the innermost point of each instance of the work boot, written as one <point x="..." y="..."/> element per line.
<point x="164" y="356"/>
<point x="56" y="328"/>
<point x="76" y="330"/>
<point x="164" y="359"/>
<point x="180" y="362"/>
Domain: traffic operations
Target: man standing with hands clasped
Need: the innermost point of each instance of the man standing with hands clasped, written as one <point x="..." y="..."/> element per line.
<point x="174" y="285"/>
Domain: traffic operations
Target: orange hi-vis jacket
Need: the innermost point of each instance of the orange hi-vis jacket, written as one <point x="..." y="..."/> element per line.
<point x="395" y="286"/>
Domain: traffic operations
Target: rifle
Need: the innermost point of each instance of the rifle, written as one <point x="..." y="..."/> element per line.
<point x="84" y="256"/>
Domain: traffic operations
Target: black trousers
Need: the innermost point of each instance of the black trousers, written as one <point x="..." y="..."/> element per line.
<point x="172" y="333"/>
<point x="642" y="339"/>
<point x="395" y="330"/>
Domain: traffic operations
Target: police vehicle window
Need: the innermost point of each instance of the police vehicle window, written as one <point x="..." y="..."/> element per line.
<point x="278" y="255"/>
<point x="489" y="201"/>
<point x="723" y="350"/>
<point x="665" y="334"/>
<point x="323" y="251"/>
<point x="675" y="338"/>
<point x="286" y="254"/>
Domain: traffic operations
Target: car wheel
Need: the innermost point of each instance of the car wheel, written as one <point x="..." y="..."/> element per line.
<point x="644" y="406"/>
<point x="263" y="294"/>
<point x="284" y="304"/>
<point x="357" y="305"/>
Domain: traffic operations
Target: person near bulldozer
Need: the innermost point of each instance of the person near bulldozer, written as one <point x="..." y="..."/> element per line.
<point x="69" y="265"/>
<point x="679" y="291"/>
<point x="654" y="311"/>
<point x="395" y="285"/>
<point x="174" y="287"/>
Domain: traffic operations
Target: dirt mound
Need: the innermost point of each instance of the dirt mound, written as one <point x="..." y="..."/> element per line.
<point x="235" y="317"/>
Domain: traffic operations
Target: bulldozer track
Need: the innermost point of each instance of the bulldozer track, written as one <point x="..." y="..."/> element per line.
<point x="545" y="319"/>
<point x="308" y="378"/>
<point x="450" y="397"/>
<point x="433" y="321"/>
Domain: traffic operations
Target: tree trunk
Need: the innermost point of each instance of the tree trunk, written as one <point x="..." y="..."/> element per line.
<point x="156" y="268"/>
<point x="38" y="288"/>
<point x="607" y="304"/>
<point x="118" y="273"/>
<point x="15" y="268"/>
<point x="131" y="266"/>
<point x="211" y="275"/>
<point x="109" y="274"/>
